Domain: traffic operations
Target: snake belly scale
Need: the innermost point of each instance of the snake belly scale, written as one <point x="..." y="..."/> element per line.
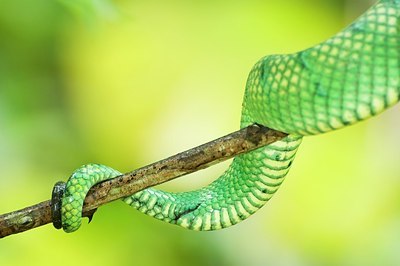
<point x="350" y="77"/>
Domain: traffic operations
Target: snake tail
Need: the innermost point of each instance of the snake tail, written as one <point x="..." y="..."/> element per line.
<point x="78" y="185"/>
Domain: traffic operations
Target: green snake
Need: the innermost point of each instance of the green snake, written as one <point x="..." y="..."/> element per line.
<point x="350" y="77"/>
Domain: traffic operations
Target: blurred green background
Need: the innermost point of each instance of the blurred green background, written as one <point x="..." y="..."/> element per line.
<point x="126" y="83"/>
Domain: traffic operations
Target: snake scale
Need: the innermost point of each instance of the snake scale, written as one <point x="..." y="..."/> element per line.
<point x="350" y="77"/>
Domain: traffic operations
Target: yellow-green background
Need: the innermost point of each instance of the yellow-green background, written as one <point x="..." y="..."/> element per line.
<point x="125" y="83"/>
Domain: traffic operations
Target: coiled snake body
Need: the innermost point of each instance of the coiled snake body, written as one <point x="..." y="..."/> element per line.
<point x="348" y="78"/>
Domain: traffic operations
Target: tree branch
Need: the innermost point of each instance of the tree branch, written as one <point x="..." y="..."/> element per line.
<point x="242" y="141"/>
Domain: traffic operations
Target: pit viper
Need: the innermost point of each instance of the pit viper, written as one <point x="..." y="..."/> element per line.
<point x="350" y="77"/>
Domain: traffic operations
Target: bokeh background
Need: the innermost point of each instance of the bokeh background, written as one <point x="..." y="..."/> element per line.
<point x="126" y="83"/>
